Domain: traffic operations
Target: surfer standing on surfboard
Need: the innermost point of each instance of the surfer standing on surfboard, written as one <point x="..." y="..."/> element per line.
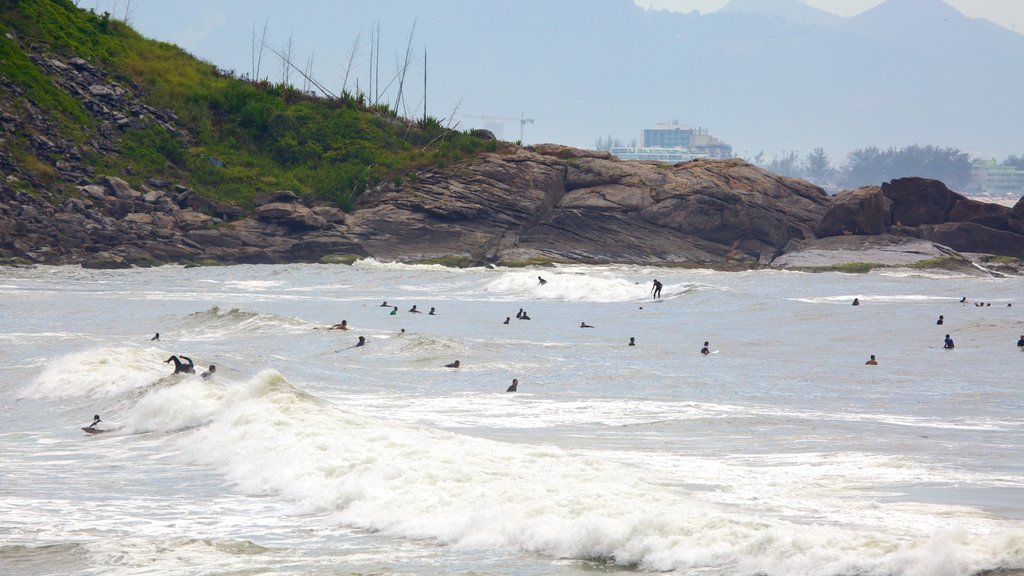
<point x="656" y="289"/>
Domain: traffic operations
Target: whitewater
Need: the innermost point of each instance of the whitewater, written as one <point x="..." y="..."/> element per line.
<point x="779" y="453"/>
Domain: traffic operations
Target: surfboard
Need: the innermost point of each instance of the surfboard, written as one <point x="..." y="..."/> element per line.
<point x="92" y="430"/>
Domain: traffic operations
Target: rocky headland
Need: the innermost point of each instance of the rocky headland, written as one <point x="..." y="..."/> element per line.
<point x="533" y="205"/>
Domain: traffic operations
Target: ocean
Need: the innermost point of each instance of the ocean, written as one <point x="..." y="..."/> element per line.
<point x="778" y="453"/>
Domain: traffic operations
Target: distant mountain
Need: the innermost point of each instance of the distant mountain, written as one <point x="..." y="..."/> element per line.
<point x="789" y="10"/>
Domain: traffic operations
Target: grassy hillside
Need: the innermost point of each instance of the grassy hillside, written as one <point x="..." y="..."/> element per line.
<point x="268" y="137"/>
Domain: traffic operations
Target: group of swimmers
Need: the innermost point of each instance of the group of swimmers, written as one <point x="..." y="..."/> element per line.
<point x="947" y="343"/>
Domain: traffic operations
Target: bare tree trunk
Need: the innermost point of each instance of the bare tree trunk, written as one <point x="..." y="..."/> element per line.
<point x="286" y="61"/>
<point x="405" y="66"/>
<point x="424" y="86"/>
<point x="257" y="53"/>
<point x="376" y="96"/>
<point x="351" y="58"/>
<point x="309" y="72"/>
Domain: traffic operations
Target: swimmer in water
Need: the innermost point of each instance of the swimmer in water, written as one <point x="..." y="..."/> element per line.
<point x="585" y="325"/>
<point x="519" y="314"/>
<point x="632" y="341"/>
<point x="362" y="341"/>
<point x="431" y="313"/>
<point x="187" y="367"/>
<point x="705" y="350"/>
<point x="871" y="361"/>
<point x="342" y="326"/>
<point x="1020" y="342"/>
<point x="394" y="310"/>
<point x="948" y="344"/>
<point x="209" y="373"/>
<point x="455" y="364"/>
<point x="940" y="320"/>
<point x="506" y="320"/>
<point x="541" y="281"/>
<point x="155" y="337"/>
<point x="414" y="310"/>
<point x="514" y="386"/>
<point x="856" y="301"/>
<point x="524" y="316"/>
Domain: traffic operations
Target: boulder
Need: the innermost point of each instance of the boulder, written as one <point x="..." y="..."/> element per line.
<point x="279" y="197"/>
<point x="917" y="201"/>
<point x="973" y="237"/>
<point x="120" y="189"/>
<point x="93" y="191"/>
<point x="483" y="134"/>
<point x="294" y="216"/>
<point x="861" y="211"/>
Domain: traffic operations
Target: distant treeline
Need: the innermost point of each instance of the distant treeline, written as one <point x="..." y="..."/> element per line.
<point x="866" y="166"/>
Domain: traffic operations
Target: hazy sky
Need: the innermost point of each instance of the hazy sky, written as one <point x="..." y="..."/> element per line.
<point x="1006" y="13"/>
<point x="475" y="80"/>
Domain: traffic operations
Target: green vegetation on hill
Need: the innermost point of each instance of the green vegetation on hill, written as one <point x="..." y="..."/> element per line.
<point x="265" y="137"/>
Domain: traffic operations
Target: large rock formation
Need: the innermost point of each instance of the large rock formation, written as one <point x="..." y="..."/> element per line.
<point x="564" y="204"/>
<point x="930" y="211"/>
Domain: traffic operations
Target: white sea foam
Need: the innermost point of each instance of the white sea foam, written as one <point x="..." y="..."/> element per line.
<point x="272" y="439"/>
<point x="580" y="287"/>
<point x="216" y="324"/>
<point x="99" y="372"/>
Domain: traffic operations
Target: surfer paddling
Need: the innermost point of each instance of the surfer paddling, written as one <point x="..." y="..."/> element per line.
<point x="455" y="364"/>
<point x="186" y="367"/>
<point x="342" y="326"/>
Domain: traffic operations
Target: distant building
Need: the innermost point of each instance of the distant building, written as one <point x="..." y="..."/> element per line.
<point x="996" y="179"/>
<point x="674" y="143"/>
<point x="670" y="155"/>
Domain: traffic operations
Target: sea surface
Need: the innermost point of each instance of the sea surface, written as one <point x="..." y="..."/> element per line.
<point x="779" y="453"/>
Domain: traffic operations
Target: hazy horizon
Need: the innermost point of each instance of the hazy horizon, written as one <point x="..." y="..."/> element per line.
<point x="581" y="71"/>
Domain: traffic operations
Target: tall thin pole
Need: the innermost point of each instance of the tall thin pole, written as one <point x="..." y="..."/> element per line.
<point x="424" y="86"/>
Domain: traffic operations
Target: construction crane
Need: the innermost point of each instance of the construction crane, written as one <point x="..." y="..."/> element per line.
<point x="523" y="120"/>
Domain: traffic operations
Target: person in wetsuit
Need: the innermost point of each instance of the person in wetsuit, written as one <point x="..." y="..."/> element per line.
<point x="656" y="289"/>
<point x="948" y="344"/>
<point x="186" y="367"/>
